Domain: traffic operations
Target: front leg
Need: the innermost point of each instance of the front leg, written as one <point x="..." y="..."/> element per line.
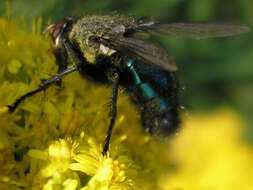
<point x="61" y="55"/>
<point x="44" y="85"/>
<point x="113" y="112"/>
<point x="61" y="61"/>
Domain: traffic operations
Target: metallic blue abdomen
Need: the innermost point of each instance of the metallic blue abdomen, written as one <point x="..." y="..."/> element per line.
<point x="155" y="93"/>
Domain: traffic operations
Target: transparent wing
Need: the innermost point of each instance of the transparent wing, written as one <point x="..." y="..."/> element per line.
<point x="145" y="50"/>
<point x="196" y="30"/>
<point x="135" y="43"/>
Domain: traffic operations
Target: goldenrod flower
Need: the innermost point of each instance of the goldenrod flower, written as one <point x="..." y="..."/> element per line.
<point x="65" y="159"/>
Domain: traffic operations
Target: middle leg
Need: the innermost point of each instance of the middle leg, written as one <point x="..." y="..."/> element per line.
<point x="113" y="112"/>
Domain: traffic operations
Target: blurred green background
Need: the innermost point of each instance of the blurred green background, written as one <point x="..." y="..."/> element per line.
<point x="212" y="72"/>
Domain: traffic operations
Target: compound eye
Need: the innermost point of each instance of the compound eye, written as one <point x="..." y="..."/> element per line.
<point x="56" y="33"/>
<point x="56" y="30"/>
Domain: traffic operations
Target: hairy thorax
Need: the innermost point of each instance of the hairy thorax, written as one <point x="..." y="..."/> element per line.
<point x="89" y="31"/>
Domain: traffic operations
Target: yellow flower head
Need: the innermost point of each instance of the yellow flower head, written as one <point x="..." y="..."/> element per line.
<point x="66" y="160"/>
<point x="211" y="154"/>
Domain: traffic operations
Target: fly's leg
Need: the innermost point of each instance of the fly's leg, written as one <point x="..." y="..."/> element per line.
<point x="61" y="60"/>
<point x="113" y="113"/>
<point x="60" y="57"/>
<point x="43" y="86"/>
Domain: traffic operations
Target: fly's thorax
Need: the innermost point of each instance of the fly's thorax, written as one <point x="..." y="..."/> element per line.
<point x="104" y="24"/>
<point x="97" y="27"/>
<point x="79" y="36"/>
<point x="91" y="49"/>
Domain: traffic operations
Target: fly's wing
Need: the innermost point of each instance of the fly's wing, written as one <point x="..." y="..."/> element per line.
<point x="190" y="30"/>
<point x="199" y="31"/>
<point x="135" y="42"/>
<point x="145" y="50"/>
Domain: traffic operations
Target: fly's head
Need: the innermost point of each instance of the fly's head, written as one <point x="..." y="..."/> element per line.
<point x="81" y="34"/>
<point x="60" y="31"/>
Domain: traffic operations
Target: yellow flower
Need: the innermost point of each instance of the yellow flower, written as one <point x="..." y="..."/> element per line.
<point x="210" y="154"/>
<point x="106" y="172"/>
<point x="66" y="159"/>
